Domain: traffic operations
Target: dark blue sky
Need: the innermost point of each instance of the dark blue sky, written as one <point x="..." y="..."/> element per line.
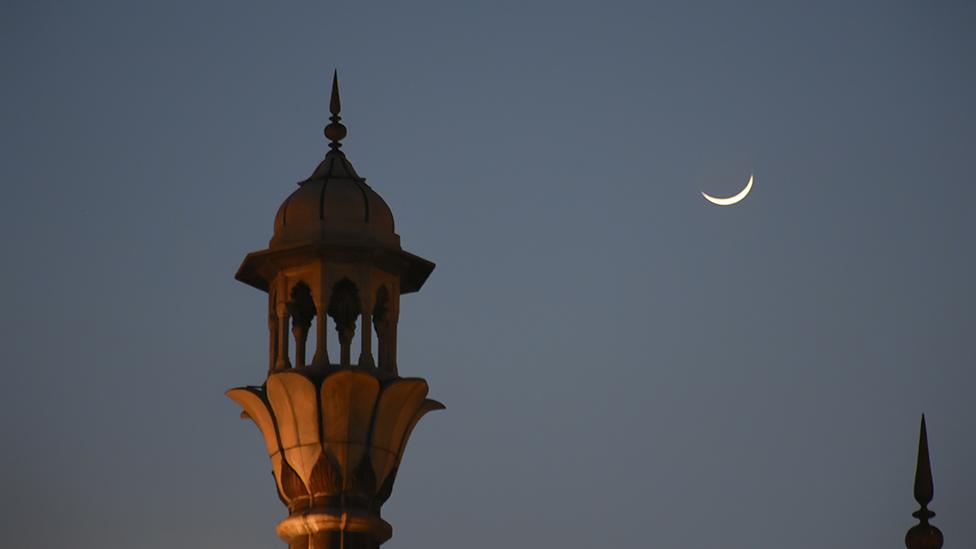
<point x="623" y="363"/>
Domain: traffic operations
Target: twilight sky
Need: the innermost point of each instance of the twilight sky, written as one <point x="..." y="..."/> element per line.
<point x="624" y="365"/>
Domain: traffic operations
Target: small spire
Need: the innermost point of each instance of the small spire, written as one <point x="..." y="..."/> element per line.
<point x="923" y="535"/>
<point x="335" y="131"/>
<point x="923" y="469"/>
<point x="334" y="106"/>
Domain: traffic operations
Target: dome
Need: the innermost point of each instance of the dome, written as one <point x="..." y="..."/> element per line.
<point x="334" y="216"/>
<point x="335" y="206"/>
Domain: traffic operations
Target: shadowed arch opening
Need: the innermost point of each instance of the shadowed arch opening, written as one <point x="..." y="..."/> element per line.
<point x="301" y="309"/>
<point x="344" y="308"/>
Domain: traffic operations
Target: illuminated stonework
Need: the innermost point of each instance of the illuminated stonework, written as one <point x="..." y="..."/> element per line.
<point x="335" y="437"/>
<point x="335" y="431"/>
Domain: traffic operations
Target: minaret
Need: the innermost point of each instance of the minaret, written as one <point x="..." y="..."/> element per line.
<point x="335" y="429"/>
<point x="923" y="535"/>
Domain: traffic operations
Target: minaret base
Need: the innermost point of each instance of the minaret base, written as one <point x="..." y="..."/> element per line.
<point x="334" y="529"/>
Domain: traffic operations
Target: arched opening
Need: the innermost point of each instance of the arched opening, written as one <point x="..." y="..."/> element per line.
<point x="301" y="308"/>
<point x="345" y="308"/>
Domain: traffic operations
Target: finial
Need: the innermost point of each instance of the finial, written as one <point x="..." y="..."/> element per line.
<point x="334" y="106"/>
<point x="335" y="131"/>
<point x="923" y="535"/>
<point x="923" y="469"/>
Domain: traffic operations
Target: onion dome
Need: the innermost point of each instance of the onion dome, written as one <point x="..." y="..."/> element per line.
<point x="335" y="205"/>
<point x="334" y="213"/>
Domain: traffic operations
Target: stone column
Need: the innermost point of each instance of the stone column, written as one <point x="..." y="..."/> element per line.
<point x="321" y="327"/>
<point x="381" y="327"/>
<point x="273" y="339"/>
<point x="366" y="352"/>
<point x="282" y="361"/>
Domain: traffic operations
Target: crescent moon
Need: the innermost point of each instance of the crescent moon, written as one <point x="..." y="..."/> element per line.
<point x="732" y="199"/>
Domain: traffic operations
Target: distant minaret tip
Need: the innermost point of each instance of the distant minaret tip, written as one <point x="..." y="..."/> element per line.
<point x="924" y="489"/>
<point x="923" y="535"/>
<point x="335" y="131"/>
<point x="334" y="106"/>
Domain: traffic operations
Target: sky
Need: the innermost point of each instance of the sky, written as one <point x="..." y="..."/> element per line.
<point x="623" y="363"/>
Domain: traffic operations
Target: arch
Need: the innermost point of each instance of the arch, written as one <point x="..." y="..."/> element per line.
<point x="301" y="308"/>
<point x="344" y="308"/>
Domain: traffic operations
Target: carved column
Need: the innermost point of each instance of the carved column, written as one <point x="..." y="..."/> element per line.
<point x="321" y="327"/>
<point x="273" y="339"/>
<point x="281" y="308"/>
<point x="366" y="353"/>
<point x="380" y="325"/>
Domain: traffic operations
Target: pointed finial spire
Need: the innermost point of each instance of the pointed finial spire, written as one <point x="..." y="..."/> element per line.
<point x="334" y="106"/>
<point x="923" y="469"/>
<point x="923" y="535"/>
<point x="335" y="131"/>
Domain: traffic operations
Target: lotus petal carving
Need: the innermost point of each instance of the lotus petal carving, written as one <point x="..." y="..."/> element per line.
<point x="341" y="431"/>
